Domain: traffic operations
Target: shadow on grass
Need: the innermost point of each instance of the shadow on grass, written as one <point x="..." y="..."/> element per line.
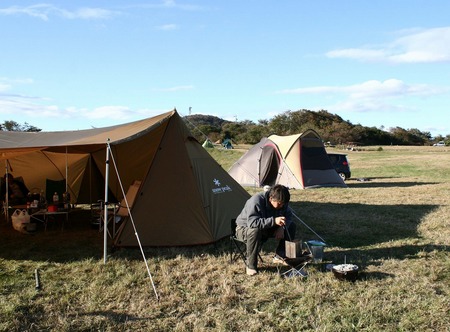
<point x="365" y="257"/>
<point x="77" y="241"/>
<point x="374" y="275"/>
<point x="373" y="183"/>
<point x="354" y="225"/>
<point x="348" y="226"/>
<point x="81" y="241"/>
<point x="375" y="257"/>
<point x="112" y="316"/>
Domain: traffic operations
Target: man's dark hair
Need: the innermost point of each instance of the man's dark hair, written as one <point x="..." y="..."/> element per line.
<point x="280" y="193"/>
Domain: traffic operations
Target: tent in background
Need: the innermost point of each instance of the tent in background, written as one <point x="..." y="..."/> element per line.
<point x="208" y="144"/>
<point x="296" y="161"/>
<point x="185" y="197"/>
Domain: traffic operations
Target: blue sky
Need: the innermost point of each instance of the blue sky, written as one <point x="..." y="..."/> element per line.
<point x="69" y="65"/>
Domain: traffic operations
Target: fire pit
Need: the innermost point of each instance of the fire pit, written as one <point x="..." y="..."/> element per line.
<point x="346" y="271"/>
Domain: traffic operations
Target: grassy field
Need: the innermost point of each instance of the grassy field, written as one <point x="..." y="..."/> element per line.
<point x="392" y="221"/>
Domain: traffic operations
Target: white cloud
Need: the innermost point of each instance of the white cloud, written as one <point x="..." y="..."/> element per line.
<point x="4" y="86"/>
<point x="108" y="112"/>
<point x="372" y="89"/>
<point x="19" y="105"/>
<point x="175" y="88"/>
<point x="112" y="112"/>
<point x="39" y="109"/>
<point x="167" y="27"/>
<point x="7" y="83"/>
<point x="366" y="105"/>
<point x="425" y="46"/>
<point x="371" y="95"/>
<point x="90" y="14"/>
<point x="169" y="4"/>
<point x="45" y="11"/>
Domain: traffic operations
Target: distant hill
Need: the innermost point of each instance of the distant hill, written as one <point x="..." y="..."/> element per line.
<point x="208" y="120"/>
<point x="331" y="127"/>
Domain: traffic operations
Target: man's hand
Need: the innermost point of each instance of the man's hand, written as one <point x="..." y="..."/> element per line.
<point x="280" y="221"/>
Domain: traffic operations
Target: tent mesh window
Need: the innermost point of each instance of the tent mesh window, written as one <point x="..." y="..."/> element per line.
<point x="268" y="166"/>
<point x="315" y="158"/>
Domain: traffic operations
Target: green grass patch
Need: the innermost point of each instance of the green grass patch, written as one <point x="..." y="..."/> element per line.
<point x="394" y="226"/>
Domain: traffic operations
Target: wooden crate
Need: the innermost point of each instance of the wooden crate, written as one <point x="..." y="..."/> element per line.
<point x="293" y="249"/>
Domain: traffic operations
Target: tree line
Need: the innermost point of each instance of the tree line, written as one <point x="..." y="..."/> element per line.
<point x="15" y="126"/>
<point x="331" y="128"/>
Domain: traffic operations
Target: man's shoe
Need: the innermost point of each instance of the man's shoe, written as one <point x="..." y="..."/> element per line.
<point x="251" y="272"/>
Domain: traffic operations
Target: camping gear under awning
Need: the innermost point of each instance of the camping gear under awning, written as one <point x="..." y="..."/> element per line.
<point x="183" y="188"/>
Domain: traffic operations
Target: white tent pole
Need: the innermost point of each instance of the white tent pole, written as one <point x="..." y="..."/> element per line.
<point x="7" y="191"/>
<point x="105" y="205"/>
<point x="293" y="213"/>
<point x="67" y="172"/>
<point x="134" y="227"/>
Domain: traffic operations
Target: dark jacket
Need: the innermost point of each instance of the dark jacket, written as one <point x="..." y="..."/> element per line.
<point x="259" y="213"/>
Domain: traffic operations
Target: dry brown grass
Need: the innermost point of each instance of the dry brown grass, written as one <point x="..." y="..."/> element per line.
<point x="395" y="227"/>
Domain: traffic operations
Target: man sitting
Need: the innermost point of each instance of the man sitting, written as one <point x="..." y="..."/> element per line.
<point x="17" y="190"/>
<point x="265" y="215"/>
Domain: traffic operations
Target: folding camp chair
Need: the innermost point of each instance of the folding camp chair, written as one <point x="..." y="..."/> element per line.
<point x="117" y="213"/>
<point x="238" y="248"/>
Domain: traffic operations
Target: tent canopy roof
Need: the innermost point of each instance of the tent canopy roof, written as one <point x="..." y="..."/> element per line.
<point x="79" y="141"/>
<point x="160" y="152"/>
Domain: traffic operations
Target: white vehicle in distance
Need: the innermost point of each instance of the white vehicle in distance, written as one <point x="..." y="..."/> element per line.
<point x="440" y="143"/>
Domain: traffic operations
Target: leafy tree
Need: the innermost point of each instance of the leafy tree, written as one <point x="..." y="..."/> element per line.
<point x="410" y="136"/>
<point x="330" y="127"/>
<point x="279" y="123"/>
<point x="15" y="126"/>
<point x="253" y="134"/>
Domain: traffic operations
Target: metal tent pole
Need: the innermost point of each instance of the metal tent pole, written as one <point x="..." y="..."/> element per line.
<point x="134" y="227"/>
<point x="67" y="172"/>
<point x="312" y="230"/>
<point x="7" y="192"/>
<point x="105" y="206"/>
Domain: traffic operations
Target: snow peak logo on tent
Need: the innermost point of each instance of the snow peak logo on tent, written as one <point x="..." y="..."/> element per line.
<point x="220" y="189"/>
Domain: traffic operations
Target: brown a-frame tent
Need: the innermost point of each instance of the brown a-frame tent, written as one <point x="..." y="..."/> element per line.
<point x="185" y="196"/>
<point x="297" y="161"/>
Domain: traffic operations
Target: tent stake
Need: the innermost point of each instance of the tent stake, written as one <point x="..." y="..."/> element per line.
<point x="37" y="279"/>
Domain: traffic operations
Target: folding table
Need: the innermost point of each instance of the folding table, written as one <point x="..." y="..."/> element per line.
<point x="46" y="214"/>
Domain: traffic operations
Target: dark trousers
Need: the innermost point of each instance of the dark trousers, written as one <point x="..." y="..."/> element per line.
<point x="255" y="238"/>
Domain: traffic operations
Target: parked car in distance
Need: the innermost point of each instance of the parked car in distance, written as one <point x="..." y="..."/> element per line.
<point x="341" y="164"/>
<point x="440" y="143"/>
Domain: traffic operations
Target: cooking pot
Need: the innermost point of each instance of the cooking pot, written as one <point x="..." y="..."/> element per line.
<point x="346" y="271"/>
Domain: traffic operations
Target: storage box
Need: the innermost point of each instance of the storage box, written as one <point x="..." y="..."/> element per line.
<point x="293" y="248"/>
<point x="52" y="208"/>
